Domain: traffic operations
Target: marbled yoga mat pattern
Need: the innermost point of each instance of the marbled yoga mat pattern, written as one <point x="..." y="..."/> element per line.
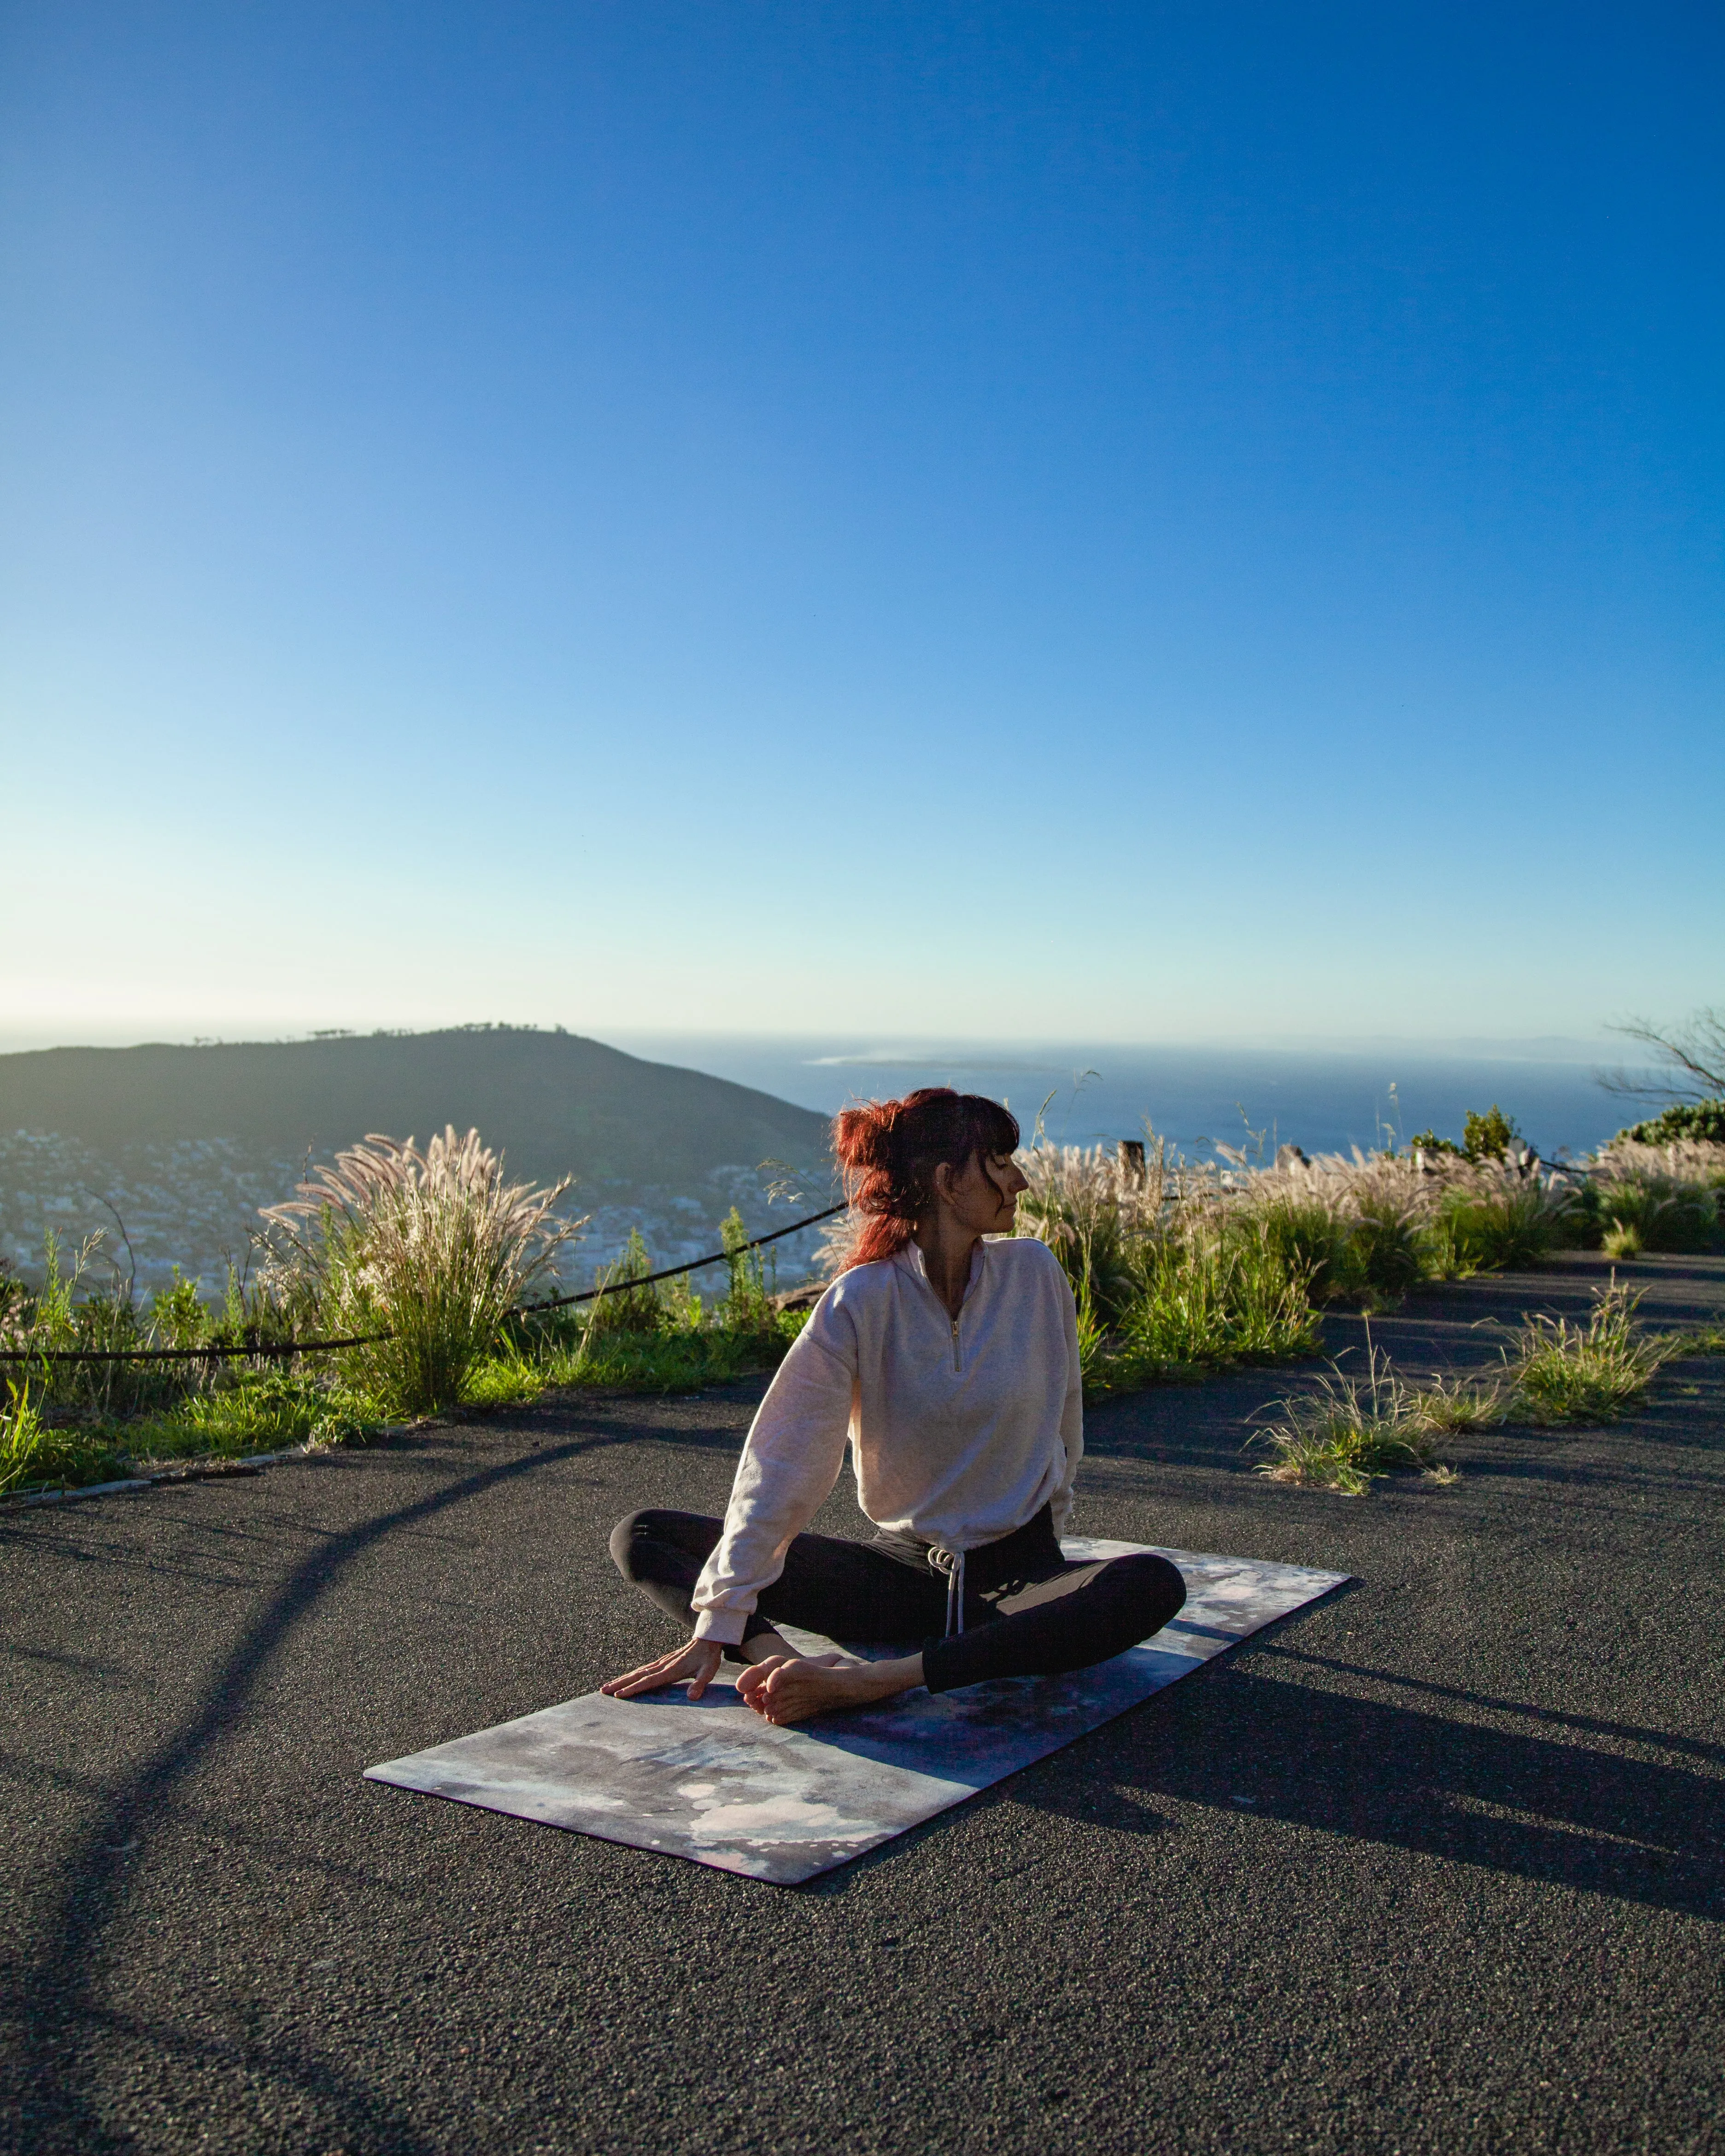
<point x="708" y="1779"/>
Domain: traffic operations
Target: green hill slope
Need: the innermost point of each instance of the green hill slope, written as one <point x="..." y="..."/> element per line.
<point x="557" y="1103"/>
<point x="185" y="1143"/>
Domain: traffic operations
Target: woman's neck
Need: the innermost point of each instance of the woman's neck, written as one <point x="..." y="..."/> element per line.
<point x="947" y="1252"/>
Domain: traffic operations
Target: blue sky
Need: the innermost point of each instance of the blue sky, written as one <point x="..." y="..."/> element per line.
<point x="1135" y="523"/>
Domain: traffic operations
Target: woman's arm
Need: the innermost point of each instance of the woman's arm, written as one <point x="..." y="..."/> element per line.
<point x="795" y="1449"/>
<point x="1072" y="1410"/>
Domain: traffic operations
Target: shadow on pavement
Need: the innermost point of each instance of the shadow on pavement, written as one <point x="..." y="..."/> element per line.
<point x="52" y="2003"/>
<point x="1539" y="1807"/>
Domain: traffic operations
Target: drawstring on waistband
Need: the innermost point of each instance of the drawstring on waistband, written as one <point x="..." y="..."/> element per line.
<point x="952" y="1563"/>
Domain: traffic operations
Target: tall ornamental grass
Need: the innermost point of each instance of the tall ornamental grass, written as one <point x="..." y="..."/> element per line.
<point x="1169" y="1281"/>
<point x="431" y="1249"/>
<point x="1666" y="1198"/>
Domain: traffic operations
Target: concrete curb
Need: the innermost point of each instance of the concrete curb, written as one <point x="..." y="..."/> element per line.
<point x="209" y="1469"/>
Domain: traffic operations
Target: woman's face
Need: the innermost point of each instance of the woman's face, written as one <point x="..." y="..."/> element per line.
<point x="984" y="1198"/>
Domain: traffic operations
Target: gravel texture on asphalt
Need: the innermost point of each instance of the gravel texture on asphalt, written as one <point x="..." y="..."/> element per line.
<point x="1434" y="1866"/>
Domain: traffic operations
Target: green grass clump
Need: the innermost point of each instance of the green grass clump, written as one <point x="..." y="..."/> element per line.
<point x="1349" y="1430"/>
<point x="1507" y="1229"/>
<point x="1208" y="1300"/>
<point x="35" y="1456"/>
<point x="1651" y="1213"/>
<point x="674" y="1362"/>
<point x="1363" y="1243"/>
<point x="1562" y="1373"/>
<point x="1314" y="1242"/>
<point x="646" y="1335"/>
<point x="258" y="1413"/>
<point x="1455" y="1406"/>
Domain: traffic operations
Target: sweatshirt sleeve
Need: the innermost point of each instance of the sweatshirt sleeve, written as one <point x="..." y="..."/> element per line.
<point x="1072" y="1411"/>
<point x="795" y="1449"/>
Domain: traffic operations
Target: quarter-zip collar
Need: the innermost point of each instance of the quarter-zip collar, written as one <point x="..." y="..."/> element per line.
<point x="910" y="1256"/>
<point x="913" y="1259"/>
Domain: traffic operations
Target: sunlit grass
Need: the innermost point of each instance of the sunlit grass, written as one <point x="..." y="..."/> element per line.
<point x="1559" y="1372"/>
<point x="1348" y="1431"/>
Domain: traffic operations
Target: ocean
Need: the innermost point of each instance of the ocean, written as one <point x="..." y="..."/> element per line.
<point x="1323" y="1101"/>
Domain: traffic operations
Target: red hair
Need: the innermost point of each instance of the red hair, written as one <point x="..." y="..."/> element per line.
<point x="889" y="1151"/>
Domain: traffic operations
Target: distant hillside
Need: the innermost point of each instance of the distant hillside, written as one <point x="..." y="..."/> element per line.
<point x="186" y="1142"/>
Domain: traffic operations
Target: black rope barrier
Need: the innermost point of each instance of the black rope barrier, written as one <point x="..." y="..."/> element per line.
<point x="282" y="1350"/>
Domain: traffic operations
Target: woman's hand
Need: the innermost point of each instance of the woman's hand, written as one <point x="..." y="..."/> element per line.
<point x="699" y="1661"/>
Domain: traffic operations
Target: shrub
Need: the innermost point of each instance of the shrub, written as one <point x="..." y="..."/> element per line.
<point x="1429" y="1142"/>
<point x="1701" y="1122"/>
<point x="1488" y="1137"/>
<point x="431" y="1249"/>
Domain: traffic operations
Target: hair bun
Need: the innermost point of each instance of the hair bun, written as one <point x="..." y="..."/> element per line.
<point x="863" y="1136"/>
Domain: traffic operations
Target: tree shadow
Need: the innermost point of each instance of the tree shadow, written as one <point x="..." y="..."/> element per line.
<point x="53" y="2004"/>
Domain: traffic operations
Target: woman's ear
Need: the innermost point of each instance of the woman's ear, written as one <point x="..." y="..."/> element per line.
<point x="942" y="1179"/>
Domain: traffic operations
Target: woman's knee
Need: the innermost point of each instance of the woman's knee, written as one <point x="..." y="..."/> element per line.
<point x="639" y="1539"/>
<point x="1155" y="1589"/>
<point x="631" y="1536"/>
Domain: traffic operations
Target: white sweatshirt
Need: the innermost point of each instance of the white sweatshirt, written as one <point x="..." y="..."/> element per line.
<point x="961" y="1429"/>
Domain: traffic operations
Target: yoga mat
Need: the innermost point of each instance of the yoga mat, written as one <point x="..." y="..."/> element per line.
<point x="709" y="1780"/>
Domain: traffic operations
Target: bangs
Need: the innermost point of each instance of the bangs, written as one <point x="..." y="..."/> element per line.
<point x="994" y="1130"/>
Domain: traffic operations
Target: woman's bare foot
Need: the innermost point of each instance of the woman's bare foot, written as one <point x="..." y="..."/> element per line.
<point x="791" y="1688"/>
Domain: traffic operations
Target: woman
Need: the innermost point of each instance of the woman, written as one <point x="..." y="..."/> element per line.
<point x="951" y="1364"/>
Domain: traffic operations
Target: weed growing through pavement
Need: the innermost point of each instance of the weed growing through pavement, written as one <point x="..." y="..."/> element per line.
<point x="1562" y="1373"/>
<point x="1349" y="1430"/>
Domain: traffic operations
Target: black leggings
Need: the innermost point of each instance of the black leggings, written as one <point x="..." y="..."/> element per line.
<point x="1027" y="1611"/>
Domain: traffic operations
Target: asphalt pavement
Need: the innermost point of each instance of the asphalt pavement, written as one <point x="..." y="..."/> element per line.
<point x="1435" y="1865"/>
